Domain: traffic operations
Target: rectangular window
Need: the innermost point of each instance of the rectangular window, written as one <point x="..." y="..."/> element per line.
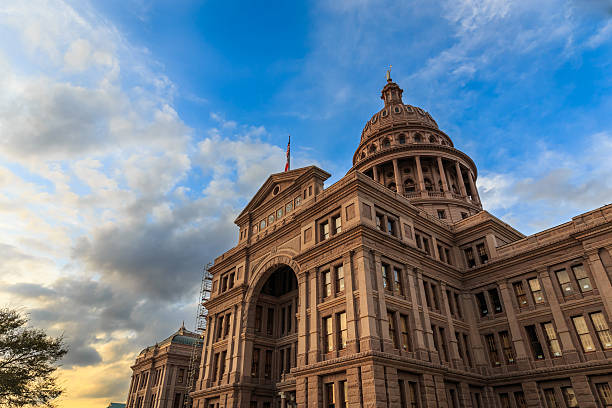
<point x="219" y="327"/>
<point x="469" y="257"/>
<point x="426" y="246"/>
<point x="330" y="398"/>
<point x="605" y="394"/>
<point x="380" y="222"/>
<point x="434" y="295"/>
<point x="492" y="349"/>
<point x="504" y="400"/>
<point x="328" y="331"/>
<point x="458" y="304"/>
<point x="551" y="339"/>
<point x="564" y="282"/>
<point x="327" y="283"/>
<point x="268" y="364"/>
<point x="427" y="296"/>
<point x="536" y="347"/>
<point x="494" y="296"/>
<point x="583" y="333"/>
<point x="343" y="385"/>
<point x="337" y="224"/>
<point x="570" y="397"/>
<point x="434" y="329"/>
<point x="506" y="343"/>
<point x="258" y="314"/>
<point x="226" y="328"/>
<point x="519" y="397"/>
<point x="482" y="253"/>
<point x="482" y="304"/>
<point x="397" y="281"/>
<point x="255" y="363"/>
<point x="412" y="393"/>
<point x="536" y="290"/>
<point x="342" y="332"/>
<point x="402" y="392"/>
<point x="215" y="366"/>
<point x="442" y="214"/>
<point x="521" y="296"/>
<point x="549" y="396"/>
<point x="447" y="254"/>
<point x="602" y="330"/>
<point x="340" y="278"/>
<point x="386" y="277"/>
<point x="443" y="343"/>
<point x="392" y="331"/>
<point x="270" y="322"/>
<point x="405" y="332"/>
<point x="468" y="354"/>
<point x="584" y="283"/>
<point x="289" y="318"/>
<point x="181" y="375"/>
<point x="222" y="364"/>
<point x="324" y="230"/>
<point x="391" y="230"/>
<point x="451" y="306"/>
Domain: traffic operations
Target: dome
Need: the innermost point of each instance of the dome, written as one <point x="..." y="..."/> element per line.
<point x="396" y="114"/>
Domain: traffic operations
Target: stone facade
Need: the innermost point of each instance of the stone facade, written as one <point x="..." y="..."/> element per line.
<point x="160" y="373"/>
<point x="394" y="288"/>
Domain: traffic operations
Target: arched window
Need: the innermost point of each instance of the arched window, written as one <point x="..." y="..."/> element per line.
<point x="392" y="186"/>
<point x="418" y="138"/>
<point x="372" y="148"/>
<point x="454" y="188"/>
<point x="362" y="155"/>
<point x="409" y="185"/>
<point x="386" y="143"/>
<point x="432" y="139"/>
<point x="428" y="184"/>
<point x="402" y="139"/>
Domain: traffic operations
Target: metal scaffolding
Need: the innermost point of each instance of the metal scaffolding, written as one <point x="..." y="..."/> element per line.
<point x="200" y="328"/>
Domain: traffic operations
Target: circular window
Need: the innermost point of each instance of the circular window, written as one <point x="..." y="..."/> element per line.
<point x="397" y="109"/>
<point x="384" y="113"/>
<point x="288" y="207"/>
<point x="276" y="190"/>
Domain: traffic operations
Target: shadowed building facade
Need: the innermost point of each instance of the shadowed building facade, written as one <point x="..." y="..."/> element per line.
<point x="394" y="288"/>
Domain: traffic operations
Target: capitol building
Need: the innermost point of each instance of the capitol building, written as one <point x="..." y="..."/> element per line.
<point x="394" y="288"/>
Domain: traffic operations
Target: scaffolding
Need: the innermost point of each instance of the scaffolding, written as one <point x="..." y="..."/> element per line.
<point x="200" y="328"/>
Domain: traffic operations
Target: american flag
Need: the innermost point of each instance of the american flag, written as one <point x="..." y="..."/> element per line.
<point x="288" y="154"/>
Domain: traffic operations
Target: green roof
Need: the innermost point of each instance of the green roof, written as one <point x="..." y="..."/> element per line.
<point x="116" y="405"/>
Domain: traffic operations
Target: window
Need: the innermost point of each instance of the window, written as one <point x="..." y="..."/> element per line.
<point x="536" y="347"/>
<point x="397" y="281"/>
<point x="426" y="246"/>
<point x="324" y="230"/>
<point x="392" y="331"/>
<point x="442" y="214"/>
<point x="492" y="349"/>
<point x="279" y="213"/>
<point x="569" y="396"/>
<point x="464" y="215"/>
<point x="342" y="332"/>
<point x="434" y="295"/>
<point x="451" y="306"/>
<point x="504" y="400"/>
<point x="584" y="283"/>
<point x="327" y="284"/>
<point x="564" y="282"/>
<point x="262" y="224"/>
<point x="328" y="334"/>
<point x="270" y="322"/>
<point x="379" y="221"/>
<point x="258" y="314"/>
<point x="519" y="397"/>
<point x="412" y="392"/>
<point x="443" y="341"/>
<point x="337" y="224"/>
<point x="339" y="279"/>
<point x="231" y="279"/>
<point x="583" y="333"/>
<point x="402" y="392"/>
<point x="330" y="398"/>
<point x="551" y="401"/>
<point x="521" y="296"/>
<point x="288" y="207"/>
<point x="391" y="230"/>
<point x="468" y="355"/>
<point x="551" y="339"/>
<point x="482" y="253"/>
<point x="386" y="277"/>
<point x="482" y="304"/>
<point x="402" y="139"/>
<point x="458" y="304"/>
<point x="226" y="328"/>
<point x="219" y="327"/>
<point x="298" y="201"/>
<point x="343" y="388"/>
<point x="427" y="295"/>
<point x="536" y="290"/>
<point x="494" y="296"/>
<point x="404" y="332"/>
<point x="268" y="364"/>
<point x="222" y="364"/>
<point x="602" y="330"/>
<point x="469" y="257"/>
<point x="507" y="349"/>
<point x="605" y="394"/>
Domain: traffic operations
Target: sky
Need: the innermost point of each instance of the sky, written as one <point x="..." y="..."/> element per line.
<point x="133" y="132"/>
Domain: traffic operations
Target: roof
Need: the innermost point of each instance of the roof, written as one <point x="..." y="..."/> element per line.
<point x="181" y="336"/>
<point x="116" y="405"/>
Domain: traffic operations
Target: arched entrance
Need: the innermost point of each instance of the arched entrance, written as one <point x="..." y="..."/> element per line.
<point x="273" y="328"/>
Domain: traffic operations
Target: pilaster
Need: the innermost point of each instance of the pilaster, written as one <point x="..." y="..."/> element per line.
<point x="522" y="359"/>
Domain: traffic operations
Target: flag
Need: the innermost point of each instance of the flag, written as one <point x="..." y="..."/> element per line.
<point x="288" y="154"/>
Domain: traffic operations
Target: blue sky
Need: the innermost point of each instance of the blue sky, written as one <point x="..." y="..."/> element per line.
<point x="132" y="133"/>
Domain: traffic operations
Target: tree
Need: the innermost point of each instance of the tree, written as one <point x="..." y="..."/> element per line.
<point x="28" y="360"/>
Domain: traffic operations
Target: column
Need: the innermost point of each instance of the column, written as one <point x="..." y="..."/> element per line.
<point x="420" y="181"/>
<point x="440" y="391"/>
<point x="469" y="312"/>
<point x="313" y="351"/>
<point x="352" y="342"/>
<point x="453" y="349"/>
<point x="475" y="196"/>
<point x="369" y="339"/>
<point x="375" y="173"/>
<point x="460" y="180"/>
<point x="522" y="359"/>
<point x="387" y="342"/>
<point x="398" y="178"/>
<point x="302" y="322"/>
<point x="419" y="337"/>
<point x="235" y="366"/>
<point x="532" y="395"/>
<point x="442" y="174"/>
<point x="372" y="384"/>
<point x="433" y="353"/>
<point x="569" y="350"/>
<point x="601" y="279"/>
<point x="584" y="395"/>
